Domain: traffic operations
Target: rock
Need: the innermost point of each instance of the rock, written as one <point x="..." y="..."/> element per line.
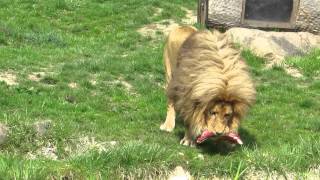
<point x="179" y="174"/>
<point x="274" y="46"/>
<point x="3" y="133"/>
<point x="42" y="127"/>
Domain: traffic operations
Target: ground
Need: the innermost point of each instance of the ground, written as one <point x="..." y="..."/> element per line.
<point x="82" y="98"/>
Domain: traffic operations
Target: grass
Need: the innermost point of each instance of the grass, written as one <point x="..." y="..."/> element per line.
<point x="96" y="41"/>
<point x="310" y="64"/>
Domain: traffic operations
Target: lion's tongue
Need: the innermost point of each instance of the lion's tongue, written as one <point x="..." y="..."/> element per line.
<point x="204" y="136"/>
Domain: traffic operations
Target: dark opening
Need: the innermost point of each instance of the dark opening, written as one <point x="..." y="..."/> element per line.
<point x="268" y="10"/>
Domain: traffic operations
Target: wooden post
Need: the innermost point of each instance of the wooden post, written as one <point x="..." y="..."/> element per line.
<point x="202" y="12"/>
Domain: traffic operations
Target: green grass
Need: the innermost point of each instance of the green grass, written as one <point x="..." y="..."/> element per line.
<point x="309" y="65"/>
<point x="81" y="41"/>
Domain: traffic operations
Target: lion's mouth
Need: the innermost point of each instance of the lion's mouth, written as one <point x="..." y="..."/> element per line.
<point x="233" y="138"/>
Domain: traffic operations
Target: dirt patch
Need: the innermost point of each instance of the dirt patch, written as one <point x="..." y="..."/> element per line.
<point x="9" y="78"/>
<point x="127" y="85"/>
<point x="87" y="144"/>
<point x="42" y="127"/>
<point x="36" y="76"/>
<point x="49" y="151"/>
<point x="165" y="26"/>
<point x="190" y="18"/>
<point x="120" y="81"/>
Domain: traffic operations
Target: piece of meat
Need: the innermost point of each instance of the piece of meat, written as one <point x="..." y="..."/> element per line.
<point x="204" y="136"/>
<point x="233" y="138"/>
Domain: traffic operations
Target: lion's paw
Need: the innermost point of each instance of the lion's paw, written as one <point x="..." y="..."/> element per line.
<point x="187" y="142"/>
<point x="166" y="127"/>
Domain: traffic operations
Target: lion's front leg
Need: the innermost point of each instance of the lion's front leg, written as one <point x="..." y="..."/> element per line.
<point x="169" y="124"/>
<point x="187" y="140"/>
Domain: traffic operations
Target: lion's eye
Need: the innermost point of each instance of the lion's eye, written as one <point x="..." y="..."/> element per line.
<point x="212" y="113"/>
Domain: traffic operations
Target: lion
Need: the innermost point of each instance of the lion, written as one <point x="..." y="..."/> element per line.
<point x="207" y="83"/>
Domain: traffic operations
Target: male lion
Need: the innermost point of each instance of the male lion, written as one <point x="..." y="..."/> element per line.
<point x="208" y="83"/>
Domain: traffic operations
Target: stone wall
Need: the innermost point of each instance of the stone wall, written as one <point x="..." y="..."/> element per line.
<point x="228" y="13"/>
<point x="308" y="18"/>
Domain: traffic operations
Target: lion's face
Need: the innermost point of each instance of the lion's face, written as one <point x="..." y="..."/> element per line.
<point x="220" y="118"/>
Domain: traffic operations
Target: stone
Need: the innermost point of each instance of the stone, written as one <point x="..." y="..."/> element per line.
<point x="308" y="16"/>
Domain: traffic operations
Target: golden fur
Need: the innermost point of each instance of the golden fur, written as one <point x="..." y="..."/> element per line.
<point x="208" y="83"/>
